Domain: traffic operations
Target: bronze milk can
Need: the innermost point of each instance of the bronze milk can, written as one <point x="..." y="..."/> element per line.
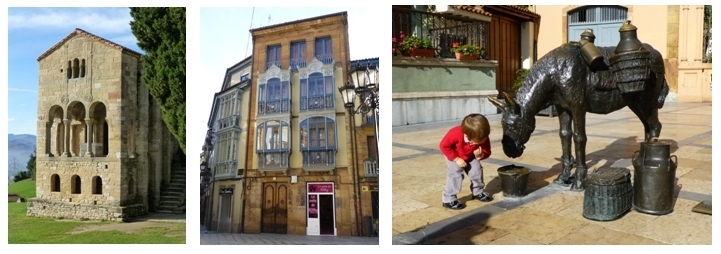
<point x="654" y="177"/>
<point x="590" y="53"/>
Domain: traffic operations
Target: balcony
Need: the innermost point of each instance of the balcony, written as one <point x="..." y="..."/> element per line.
<point x="371" y="168"/>
<point x="225" y="169"/>
<point x="316" y="103"/>
<point x="322" y="158"/>
<point x="273" y="107"/>
<point x="271" y="63"/>
<point x="442" y="29"/>
<point x="297" y="63"/>
<point x="325" y="58"/>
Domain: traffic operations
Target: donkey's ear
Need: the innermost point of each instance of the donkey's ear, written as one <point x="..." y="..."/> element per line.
<point x="498" y="103"/>
<point x="511" y="104"/>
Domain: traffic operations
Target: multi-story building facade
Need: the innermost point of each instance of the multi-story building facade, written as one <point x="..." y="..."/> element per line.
<point x="225" y="150"/>
<point x="279" y="144"/>
<point x="103" y="150"/>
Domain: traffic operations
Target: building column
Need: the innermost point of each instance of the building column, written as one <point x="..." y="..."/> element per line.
<point x="48" y="138"/>
<point x="89" y="126"/>
<point x="66" y="152"/>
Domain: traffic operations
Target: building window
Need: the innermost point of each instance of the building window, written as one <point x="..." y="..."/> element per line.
<point x="273" y="145"/>
<point x="76" y="69"/>
<point x="297" y="55"/>
<point x="316" y="92"/>
<point x="55" y="183"/>
<point x="244" y="77"/>
<point x="318" y="141"/>
<point x="97" y="185"/>
<point x="273" y="57"/>
<point x="274" y="97"/>
<point x="75" y="185"/>
<point x="324" y="50"/>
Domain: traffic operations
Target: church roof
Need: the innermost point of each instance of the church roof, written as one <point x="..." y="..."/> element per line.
<point x="79" y="31"/>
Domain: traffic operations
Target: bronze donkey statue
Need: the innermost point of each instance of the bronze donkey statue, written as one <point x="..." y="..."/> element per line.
<point x="562" y="79"/>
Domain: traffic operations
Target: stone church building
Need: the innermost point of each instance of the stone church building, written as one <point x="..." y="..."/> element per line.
<point x="103" y="150"/>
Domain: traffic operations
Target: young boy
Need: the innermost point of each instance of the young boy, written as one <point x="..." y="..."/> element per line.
<point x="464" y="147"/>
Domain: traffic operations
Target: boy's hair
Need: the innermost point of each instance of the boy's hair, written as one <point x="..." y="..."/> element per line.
<point x="476" y="127"/>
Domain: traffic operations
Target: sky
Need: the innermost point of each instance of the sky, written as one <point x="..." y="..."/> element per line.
<point x="32" y="31"/>
<point x="224" y="41"/>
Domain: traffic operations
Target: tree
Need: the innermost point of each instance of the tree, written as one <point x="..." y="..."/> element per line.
<point x="19" y="176"/>
<point x="707" y="33"/>
<point x="31" y="166"/>
<point x="161" y="34"/>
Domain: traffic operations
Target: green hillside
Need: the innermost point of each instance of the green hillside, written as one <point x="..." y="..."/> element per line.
<point x="24" y="188"/>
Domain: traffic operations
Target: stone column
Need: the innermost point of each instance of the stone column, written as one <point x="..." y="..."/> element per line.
<point x="48" y="138"/>
<point x="66" y="152"/>
<point x="89" y="125"/>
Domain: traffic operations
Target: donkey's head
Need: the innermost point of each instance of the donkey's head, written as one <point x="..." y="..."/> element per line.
<point x="517" y="127"/>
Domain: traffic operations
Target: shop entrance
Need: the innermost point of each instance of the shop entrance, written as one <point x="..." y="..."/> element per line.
<point x="320" y="209"/>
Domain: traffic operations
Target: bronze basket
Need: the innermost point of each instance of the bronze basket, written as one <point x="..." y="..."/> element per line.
<point x="608" y="194"/>
<point x="631" y="70"/>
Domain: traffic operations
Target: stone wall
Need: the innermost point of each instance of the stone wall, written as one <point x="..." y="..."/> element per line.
<point x="38" y="207"/>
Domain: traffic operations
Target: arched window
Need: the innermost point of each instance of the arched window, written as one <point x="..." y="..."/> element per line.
<point x="55" y="183"/>
<point x="273" y="145"/>
<point x="82" y="68"/>
<point x="75" y="185"/>
<point x="274" y="97"/>
<point x="318" y="141"/>
<point x="97" y="185"/>
<point x="76" y="68"/>
<point x="69" y="70"/>
<point x="316" y="92"/>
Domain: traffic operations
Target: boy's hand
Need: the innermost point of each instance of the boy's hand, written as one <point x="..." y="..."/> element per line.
<point x="460" y="162"/>
<point x="478" y="153"/>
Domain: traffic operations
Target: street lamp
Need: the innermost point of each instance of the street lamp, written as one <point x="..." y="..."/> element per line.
<point x="364" y="83"/>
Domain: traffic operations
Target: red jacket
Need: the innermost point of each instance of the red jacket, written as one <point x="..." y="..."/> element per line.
<point x="454" y="145"/>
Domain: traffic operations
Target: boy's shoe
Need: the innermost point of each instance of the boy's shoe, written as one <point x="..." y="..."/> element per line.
<point x="484" y="197"/>
<point x="455" y="205"/>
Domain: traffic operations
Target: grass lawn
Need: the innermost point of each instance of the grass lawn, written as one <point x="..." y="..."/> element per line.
<point x="23" y="229"/>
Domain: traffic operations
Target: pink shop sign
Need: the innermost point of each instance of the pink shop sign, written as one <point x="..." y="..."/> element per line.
<point x="320" y="187"/>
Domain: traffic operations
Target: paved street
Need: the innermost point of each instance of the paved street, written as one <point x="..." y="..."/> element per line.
<point x="551" y="214"/>
<point x="215" y="238"/>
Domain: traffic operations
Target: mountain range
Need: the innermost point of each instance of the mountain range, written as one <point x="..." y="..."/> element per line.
<point x="20" y="147"/>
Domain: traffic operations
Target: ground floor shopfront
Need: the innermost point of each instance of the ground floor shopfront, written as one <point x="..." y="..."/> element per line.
<point x="319" y="203"/>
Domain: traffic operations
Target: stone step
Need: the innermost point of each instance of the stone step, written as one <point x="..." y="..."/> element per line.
<point x="175" y="190"/>
<point x="164" y="211"/>
<point x="171" y="198"/>
<point x="170" y="203"/>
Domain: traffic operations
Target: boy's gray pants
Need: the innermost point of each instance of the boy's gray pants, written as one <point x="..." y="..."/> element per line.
<point x="454" y="179"/>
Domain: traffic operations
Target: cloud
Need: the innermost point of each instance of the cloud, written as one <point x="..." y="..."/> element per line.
<point x="22" y="90"/>
<point x="94" y="20"/>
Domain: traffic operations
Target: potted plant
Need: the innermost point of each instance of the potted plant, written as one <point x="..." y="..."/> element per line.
<point x="467" y="52"/>
<point x="418" y="47"/>
<point x="399" y="45"/>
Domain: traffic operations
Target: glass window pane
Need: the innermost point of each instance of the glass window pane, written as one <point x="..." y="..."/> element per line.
<point x="331" y="134"/>
<point x="329" y="85"/>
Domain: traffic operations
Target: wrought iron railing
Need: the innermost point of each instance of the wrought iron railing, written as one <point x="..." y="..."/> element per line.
<point x="441" y="29"/>
<point x="225" y="168"/>
<point x="273" y="159"/>
<point x="319" y="158"/>
<point x="316" y="103"/>
<point x="271" y="63"/>
<point x="325" y="58"/>
<point x="296" y="63"/>
<point x="371" y="168"/>
<point x="229" y="122"/>
<point x="272" y="107"/>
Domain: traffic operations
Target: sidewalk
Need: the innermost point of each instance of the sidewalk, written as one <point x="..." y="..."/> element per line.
<point x="215" y="238"/>
<point x="551" y="214"/>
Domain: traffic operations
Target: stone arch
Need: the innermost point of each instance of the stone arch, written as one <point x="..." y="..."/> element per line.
<point x="97" y="129"/>
<point x="55" y="183"/>
<point x="76" y="68"/>
<point x="97" y="185"/>
<point x="69" y="70"/>
<point x="55" y="131"/>
<point x="77" y="127"/>
<point x="75" y="185"/>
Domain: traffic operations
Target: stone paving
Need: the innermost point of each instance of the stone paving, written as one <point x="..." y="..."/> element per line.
<point x="215" y="238"/>
<point x="551" y="214"/>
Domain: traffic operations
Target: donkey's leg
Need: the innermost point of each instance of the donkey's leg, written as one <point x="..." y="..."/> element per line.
<point x="647" y="112"/>
<point x="579" y="139"/>
<point x="564" y="118"/>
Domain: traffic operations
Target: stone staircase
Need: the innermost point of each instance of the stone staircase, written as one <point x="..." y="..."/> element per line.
<point x="172" y="195"/>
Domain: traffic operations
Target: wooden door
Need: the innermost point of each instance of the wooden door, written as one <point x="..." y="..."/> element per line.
<point x="505" y="46"/>
<point x="275" y="208"/>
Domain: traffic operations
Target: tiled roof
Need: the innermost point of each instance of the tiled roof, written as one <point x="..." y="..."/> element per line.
<point x="79" y="31"/>
<point x="474" y="9"/>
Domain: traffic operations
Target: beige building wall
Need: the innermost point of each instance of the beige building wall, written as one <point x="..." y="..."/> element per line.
<point x="674" y="30"/>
